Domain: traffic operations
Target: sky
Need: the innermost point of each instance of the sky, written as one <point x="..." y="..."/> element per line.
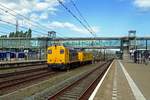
<point x="107" y="18"/>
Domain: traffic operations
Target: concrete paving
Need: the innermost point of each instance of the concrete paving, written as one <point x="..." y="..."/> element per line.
<point x="140" y="73"/>
<point x="125" y="81"/>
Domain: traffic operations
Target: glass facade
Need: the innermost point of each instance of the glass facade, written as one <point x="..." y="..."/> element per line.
<point x="87" y="43"/>
<point x="43" y="43"/>
<point x="22" y="43"/>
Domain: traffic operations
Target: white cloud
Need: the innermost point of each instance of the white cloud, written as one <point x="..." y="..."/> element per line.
<point x="143" y="4"/>
<point x="41" y="6"/>
<point x="34" y="9"/>
<point x="44" y="15"/>
<point x="70" y="26"/>
<point x="34" y="16"/>
<point x="38" y="11"/>
<point x="7" y="18"/>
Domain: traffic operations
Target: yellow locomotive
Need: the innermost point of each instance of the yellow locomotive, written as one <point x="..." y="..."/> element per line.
<point x="60" y="57"/>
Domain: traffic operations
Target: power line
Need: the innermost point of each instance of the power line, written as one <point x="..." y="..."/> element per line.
<point x="27" y="28"/>
<point x="73" y="15"/>
<point x="23" y="17"/>
<point x="4" y="28"/>
<point x="15" y="15"/>
<point x="4" y="33"/>
<point x="80" y="14"/>
<point x="6" y="25"/>
<point x="44" y="27"/>
<point x="21" y="27"/>
<point x="41" y="26"/>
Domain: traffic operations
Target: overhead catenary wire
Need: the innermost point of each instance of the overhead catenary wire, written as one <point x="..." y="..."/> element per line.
<point x="73" y="15"/>
<point x="82" y="17"/>
<point x="22" y="27"/>
<point x="42" y="27"/>
<point x="3" y="33"/>
<point x="7" y="26"/>
<point x="80" y="14"/>
<point x="37" y="32"/>
<point x="16" y="17"/>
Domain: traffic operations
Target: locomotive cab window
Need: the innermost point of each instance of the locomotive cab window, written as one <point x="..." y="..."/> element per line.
<point x="61" y="51"/>
<point x="49" y="51"/>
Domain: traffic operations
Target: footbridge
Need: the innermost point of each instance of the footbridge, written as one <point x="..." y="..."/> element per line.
<point x="85" y="43"/>
<point x="105" y="42"/>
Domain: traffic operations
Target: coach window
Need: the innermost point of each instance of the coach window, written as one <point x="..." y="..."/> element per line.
<point x="61" y="51"/>
<point x="49" y="51"/>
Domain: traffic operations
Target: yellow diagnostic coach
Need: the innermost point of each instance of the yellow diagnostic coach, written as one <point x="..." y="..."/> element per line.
<point x="85" y="57"/>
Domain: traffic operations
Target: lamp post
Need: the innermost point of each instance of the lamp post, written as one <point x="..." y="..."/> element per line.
<point x="104" y="53"/>
<point x="146" y="44"/>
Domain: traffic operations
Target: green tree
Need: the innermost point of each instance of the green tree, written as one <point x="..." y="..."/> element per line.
<point x="10" y="34"/>
<point x="13" y="34"/>
<point x="21" y="34"/>
<point x="29" y="33"/>
<point x="25" y="34"/>
<point x="4" y="36"/>
<point x="17" y="34"/>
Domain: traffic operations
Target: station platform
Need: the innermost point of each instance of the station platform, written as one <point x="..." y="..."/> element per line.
<point x="124" y="80"/>
<point x="21" y="63"/>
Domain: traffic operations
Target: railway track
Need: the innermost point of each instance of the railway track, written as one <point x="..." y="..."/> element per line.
<point x="82" y="87"/>
<point x="19" y="64"/>
<point x="12" y="80"/>
<point x="10" y="74"/>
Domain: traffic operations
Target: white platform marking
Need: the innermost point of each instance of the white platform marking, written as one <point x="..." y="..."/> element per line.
<point x="114" y="92"/>
<point x="99" y="84"/>
<point x="136" y="92"/>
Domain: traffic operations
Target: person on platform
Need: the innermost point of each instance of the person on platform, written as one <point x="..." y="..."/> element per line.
<point x="138" y="56"/>
<point x="135" y="56"/>
<point x="146" y="57"/>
